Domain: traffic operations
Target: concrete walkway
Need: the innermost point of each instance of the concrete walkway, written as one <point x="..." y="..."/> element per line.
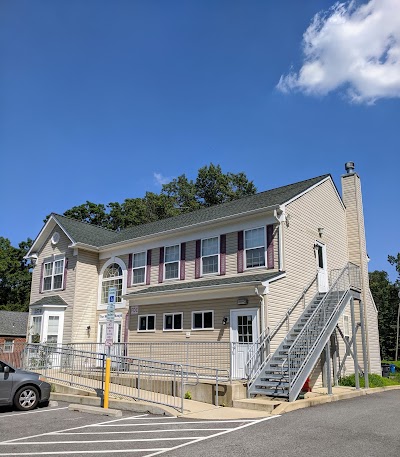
<point x="254" y="408"/>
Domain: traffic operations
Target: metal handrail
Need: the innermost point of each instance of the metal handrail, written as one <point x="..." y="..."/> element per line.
<point x="262" y="344"/>
<point x="350" y="269"/>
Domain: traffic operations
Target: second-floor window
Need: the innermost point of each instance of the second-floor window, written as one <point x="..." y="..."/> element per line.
<point x="112" y="276"/>
<point x="209" y="255"/>
<point x="139" y="268"/>
<point x="254" y="246"/>
<point x="53" y="274"/>
<point x="171" y="262"/>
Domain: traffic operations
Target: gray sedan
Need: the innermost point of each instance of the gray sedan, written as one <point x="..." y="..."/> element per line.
<point x="24" y="389"/>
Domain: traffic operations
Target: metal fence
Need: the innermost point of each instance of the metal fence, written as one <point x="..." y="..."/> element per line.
<point x="207" y="357"/>
<point x="131" y="377"/>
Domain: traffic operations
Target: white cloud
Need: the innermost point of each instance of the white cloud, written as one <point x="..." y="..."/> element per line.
<point x="159" y="179"/>
<point x="352" y="47"/>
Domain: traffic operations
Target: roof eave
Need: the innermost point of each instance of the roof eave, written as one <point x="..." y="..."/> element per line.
<point x="188" y="227"/>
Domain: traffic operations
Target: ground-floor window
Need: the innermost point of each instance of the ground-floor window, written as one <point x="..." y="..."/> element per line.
<point x="202" y="320"/>
<point x="147" y="323"/>
<point x="47" y="327"/>
<point x="173" y="321"/>
<point x="8" y="346"/>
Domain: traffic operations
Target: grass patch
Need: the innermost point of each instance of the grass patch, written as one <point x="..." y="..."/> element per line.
<point x="374" y="381"/>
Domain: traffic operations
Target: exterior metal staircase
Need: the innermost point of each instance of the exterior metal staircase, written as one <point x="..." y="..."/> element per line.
<point x="283" y="373"/>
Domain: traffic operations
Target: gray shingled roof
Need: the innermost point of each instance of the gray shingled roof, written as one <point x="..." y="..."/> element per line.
<point x="96" y="236"/>
<point x="86" y="233"/>
<point x="216" y="281"/>
<point x="55" y="300"/>
<point x="13" y="323"/>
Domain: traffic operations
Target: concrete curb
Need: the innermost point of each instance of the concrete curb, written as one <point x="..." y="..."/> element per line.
<point x="96" y="410"/>
<point x="122" y="405"/>
<point x="314" y="401"/>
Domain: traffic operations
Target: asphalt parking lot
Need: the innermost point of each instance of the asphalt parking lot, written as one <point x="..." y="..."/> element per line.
<point x="366" y="426"/>
<point x="58" y="431"/>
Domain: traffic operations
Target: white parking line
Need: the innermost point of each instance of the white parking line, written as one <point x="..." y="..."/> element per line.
<point x="64" y="430"/>
<point x="166" y="423"/>
<point x="119" y="451"/>
<point x="175" y="438"/>
<point x="33" y="412"/>
<point x="212" y="436"/>
<point x="167" y="430"/>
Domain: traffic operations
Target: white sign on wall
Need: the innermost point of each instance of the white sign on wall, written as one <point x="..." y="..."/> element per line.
<point x="112" y="291"/>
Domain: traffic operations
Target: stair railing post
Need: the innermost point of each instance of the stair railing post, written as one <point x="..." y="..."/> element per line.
<point x="353" y="329"/>
<point x="364" y="345"/>
<point x="328" y="366"/>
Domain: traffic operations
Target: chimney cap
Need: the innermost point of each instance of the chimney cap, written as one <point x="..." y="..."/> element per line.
<point x="349" y="166"/>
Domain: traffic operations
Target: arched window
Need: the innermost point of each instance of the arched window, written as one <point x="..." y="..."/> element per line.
<point x="112" y="276"/>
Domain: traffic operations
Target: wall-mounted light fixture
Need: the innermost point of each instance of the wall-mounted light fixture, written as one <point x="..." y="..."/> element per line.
<point x="225" y="320"/>
<point x="288" y="217"/>
<point x="88" y="330"/>
<point x="320" y="231"/>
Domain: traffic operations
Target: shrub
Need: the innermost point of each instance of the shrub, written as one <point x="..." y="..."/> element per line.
<point x="374" y="381"/>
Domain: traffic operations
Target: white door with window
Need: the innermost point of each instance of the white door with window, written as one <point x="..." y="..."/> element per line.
<point x="115" y="349"/>
<point x="320" y="253"/>
<point x="244" y="332"/>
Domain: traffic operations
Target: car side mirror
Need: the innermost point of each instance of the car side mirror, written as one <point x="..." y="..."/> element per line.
<point x="6" y="369"/>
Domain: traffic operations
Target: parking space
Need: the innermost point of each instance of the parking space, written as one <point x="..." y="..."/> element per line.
<point x="138" y="434"/>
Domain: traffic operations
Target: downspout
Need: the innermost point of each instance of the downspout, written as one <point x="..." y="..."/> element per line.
<point x="280" y="217"/>
<point x="262" y="309"/>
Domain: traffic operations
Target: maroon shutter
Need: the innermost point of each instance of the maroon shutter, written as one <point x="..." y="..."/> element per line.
<point x="222" y="256"/>
<point x="240" y="252"/>
<point x="65" y="274"/>
<point x="129" y="270"/>
<point x="183" y="260"/>
<point x="161" y="265"/>
<point x="270" y="246"/>
<point x="148" y="267"/>
<point x="41" y="279"/>
<point x="197" y="261"/>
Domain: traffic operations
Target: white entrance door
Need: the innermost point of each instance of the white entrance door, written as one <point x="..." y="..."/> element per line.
<point x="244" y="332"/>
<point x="320" y="251"/>
<point x="115" y="349"/>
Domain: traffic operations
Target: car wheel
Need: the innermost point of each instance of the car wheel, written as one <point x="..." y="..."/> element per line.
<point x="26" y="398"/>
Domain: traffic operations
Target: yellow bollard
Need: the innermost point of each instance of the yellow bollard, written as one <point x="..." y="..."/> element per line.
<point x="107" y="383"/>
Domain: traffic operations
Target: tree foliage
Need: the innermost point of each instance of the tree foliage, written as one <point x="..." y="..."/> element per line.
<point x="181" y="195"/>
<point x="386" y="299"/>
<point x="15" y="276"/>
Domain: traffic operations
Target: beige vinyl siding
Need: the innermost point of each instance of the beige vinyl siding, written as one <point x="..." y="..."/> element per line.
<point x="231" y="253"/>
<point x="320" y="207"/>
<point x="86" y="297"/>
<point x="358" y="254"/>
<point x="221" y="308"/>
<point x="49" y="250"/>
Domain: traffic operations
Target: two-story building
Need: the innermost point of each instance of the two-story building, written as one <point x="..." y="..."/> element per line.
<point x="227" y="273"/>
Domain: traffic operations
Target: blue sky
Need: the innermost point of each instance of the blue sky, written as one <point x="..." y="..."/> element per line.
<point x="100" y="100"/>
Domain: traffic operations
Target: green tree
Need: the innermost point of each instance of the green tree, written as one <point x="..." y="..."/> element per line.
<point x="395" y="261"/>
<point x="214" y="187"/>
<point x="15" y="276"/>
<point x="385" y="297"/>
<point x="89" y="212"/>
<point x="183" y="193"/>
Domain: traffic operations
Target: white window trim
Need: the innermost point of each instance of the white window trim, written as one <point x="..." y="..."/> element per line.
<point x="179" y="261"/>
<point x="147" y="321"/>
<point x="6" y="351"/>
<point x="245" y="250"/>
<point x="122" y="303"/>
<point x="53" y="261"/>
<point x="136" y="268"/>
<point x="217" y="254"/>
<point x="172" y="329"/>
<point x="45" y="324"/>
<point x="203" y="312"/>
